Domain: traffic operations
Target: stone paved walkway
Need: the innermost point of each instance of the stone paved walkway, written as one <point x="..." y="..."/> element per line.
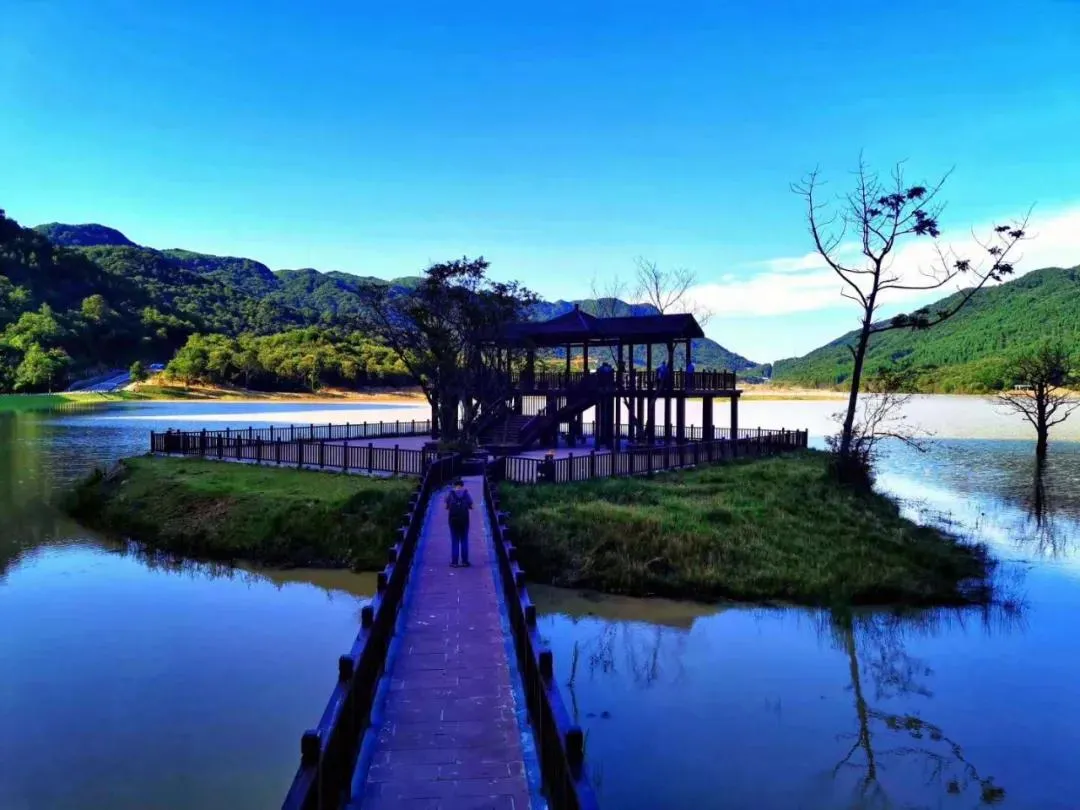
<point x="450" y="738"/>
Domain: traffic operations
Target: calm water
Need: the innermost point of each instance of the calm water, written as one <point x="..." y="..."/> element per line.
<point x="130" y="683"/>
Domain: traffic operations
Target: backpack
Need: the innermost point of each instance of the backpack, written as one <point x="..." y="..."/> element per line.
<point x="459" y="506"/>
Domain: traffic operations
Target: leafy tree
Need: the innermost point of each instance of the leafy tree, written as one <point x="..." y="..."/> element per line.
<point x="883" y="214"/>
<point x="437" y="331"/>
<point x="39" y="328"/>
<point x="40" y="369"/>
<point x="1044" y="376"/>
<point x="138" y="371"/>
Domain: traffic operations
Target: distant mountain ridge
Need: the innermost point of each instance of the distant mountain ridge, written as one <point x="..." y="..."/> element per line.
<point x="966" y="353"/>
<point x="307" y="295"/>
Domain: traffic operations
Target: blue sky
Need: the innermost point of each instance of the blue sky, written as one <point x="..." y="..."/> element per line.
<point x="560" y="140"/>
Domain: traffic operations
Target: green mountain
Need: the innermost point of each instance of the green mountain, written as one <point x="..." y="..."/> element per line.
<point x="966" y="353"/>
<point x="76" y="299"/>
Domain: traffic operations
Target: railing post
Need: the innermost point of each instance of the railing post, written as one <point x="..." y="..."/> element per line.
<point x="277" y="452"/>
<point x="239" y="446"/>
<point x="322" y="453"/>
<point x="397" y="453"/>
<point x="310" y="749"/>
<point x="575" y="747"/>
<point x="371" y="454"/>
<point x="345" y="457"/>
<point x="202" y="442"/>
<point x="258" y="450"/>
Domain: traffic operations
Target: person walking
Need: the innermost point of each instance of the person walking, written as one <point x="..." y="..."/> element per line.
<point x="458" y="504"/>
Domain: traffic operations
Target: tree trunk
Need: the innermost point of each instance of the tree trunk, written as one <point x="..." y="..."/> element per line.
<point x="853" y="397"/>
<point x="448" y="417"/>
<point x="1042" y="430"/>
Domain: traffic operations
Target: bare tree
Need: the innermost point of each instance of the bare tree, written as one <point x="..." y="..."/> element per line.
<point x="668" y="290"/>
<point x="1044" y="375"/>
<point x="879" y="415"/>
<point x="879" y="215"/>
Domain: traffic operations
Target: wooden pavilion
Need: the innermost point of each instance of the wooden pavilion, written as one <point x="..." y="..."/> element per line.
<point x="544" y="400"/>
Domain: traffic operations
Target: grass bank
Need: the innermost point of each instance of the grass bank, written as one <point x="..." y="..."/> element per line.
<point x="761" y="530"/>
<point x="161" y="388"/>
<point x="219" y="511"/>
<point x="18" y="403"/>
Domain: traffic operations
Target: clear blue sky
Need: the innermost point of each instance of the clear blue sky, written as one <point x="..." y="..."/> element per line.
<point x="559" y="139"/>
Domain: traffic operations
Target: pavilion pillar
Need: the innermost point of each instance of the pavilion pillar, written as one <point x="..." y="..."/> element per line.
<point x="640" y="399"/>
<point x="669" y="383"/>
<point x="567" y="363"/>
<point x="585" y="356"/>
<point x="434" y="422"/>
<point x="707" y="418"/>
<point x="680" y="418"/>
<point x="734" y="424"/>
<point x="616" y="418"/>
<point x="530" y="369"/>
<point x="650" y="416"/>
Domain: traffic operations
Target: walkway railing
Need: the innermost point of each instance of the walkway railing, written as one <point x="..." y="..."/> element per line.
<point x="309" y="433"/>
<point x="641" y="461"/>
<point x="328" y="752"/>
<point x="318" y="454"/>
<point x="560" y="743"/>
<point x="636" y="380"/>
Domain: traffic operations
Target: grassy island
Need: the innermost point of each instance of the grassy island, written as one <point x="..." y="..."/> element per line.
<point x="219" y="511"/>
<point x="761" y="530"/>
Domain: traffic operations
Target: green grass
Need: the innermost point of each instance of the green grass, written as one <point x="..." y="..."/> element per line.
<point x="760" y="530"/>
<point x="222" y="511"/>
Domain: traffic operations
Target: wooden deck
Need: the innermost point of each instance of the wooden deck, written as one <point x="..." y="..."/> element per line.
<point x="449" y="733"/>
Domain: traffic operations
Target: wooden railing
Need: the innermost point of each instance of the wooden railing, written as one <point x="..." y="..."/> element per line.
<point x="312" y="433"/>
<point x="319" y="454"/>
<point x="636" y="380"/>
<point x="560" y="743"/>
<point x="641" y="461"/>
<point x="329" y="751"/>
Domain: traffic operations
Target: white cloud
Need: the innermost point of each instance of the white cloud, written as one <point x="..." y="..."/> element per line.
<point x="805" y="283"/>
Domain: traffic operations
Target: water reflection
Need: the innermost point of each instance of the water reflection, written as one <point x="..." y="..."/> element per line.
<point x="874" y="644"/>
<point x="197" y="677"/>
<point x="863" y="709"/>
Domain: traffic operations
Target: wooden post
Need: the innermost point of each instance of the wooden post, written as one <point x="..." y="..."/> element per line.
<point x="322" y="453"/>
<point x="397" y="452"/>
<point x="734" y="424"/>
<point x="370" y="456"/>
<point x="680" y="418"/>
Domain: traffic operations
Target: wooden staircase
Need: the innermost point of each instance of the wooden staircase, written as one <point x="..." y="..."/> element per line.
<point x="505" y="435"/>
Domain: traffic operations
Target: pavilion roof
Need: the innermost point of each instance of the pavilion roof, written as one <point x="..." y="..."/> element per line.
<point x="576" y="327"/>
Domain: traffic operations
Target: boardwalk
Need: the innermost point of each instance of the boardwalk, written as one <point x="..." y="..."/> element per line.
<point x="449" y="734"/>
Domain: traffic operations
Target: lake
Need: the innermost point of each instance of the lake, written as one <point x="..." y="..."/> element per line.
<point x="131" y="682"/>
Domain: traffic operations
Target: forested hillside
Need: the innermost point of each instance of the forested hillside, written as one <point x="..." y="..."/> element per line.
<point x="968" y="352"/>
<point x="78" y="298"/>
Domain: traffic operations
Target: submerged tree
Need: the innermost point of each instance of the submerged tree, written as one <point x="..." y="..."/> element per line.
<point x="440" y="331"/>
<point x="871" y="223"/>
<point x="1043" y="376"/>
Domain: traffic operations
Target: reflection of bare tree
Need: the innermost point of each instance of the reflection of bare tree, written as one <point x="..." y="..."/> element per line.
<point x="643" y="652"/>
<point x="1047" y="533"/>
<point x="875" y="647"/>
